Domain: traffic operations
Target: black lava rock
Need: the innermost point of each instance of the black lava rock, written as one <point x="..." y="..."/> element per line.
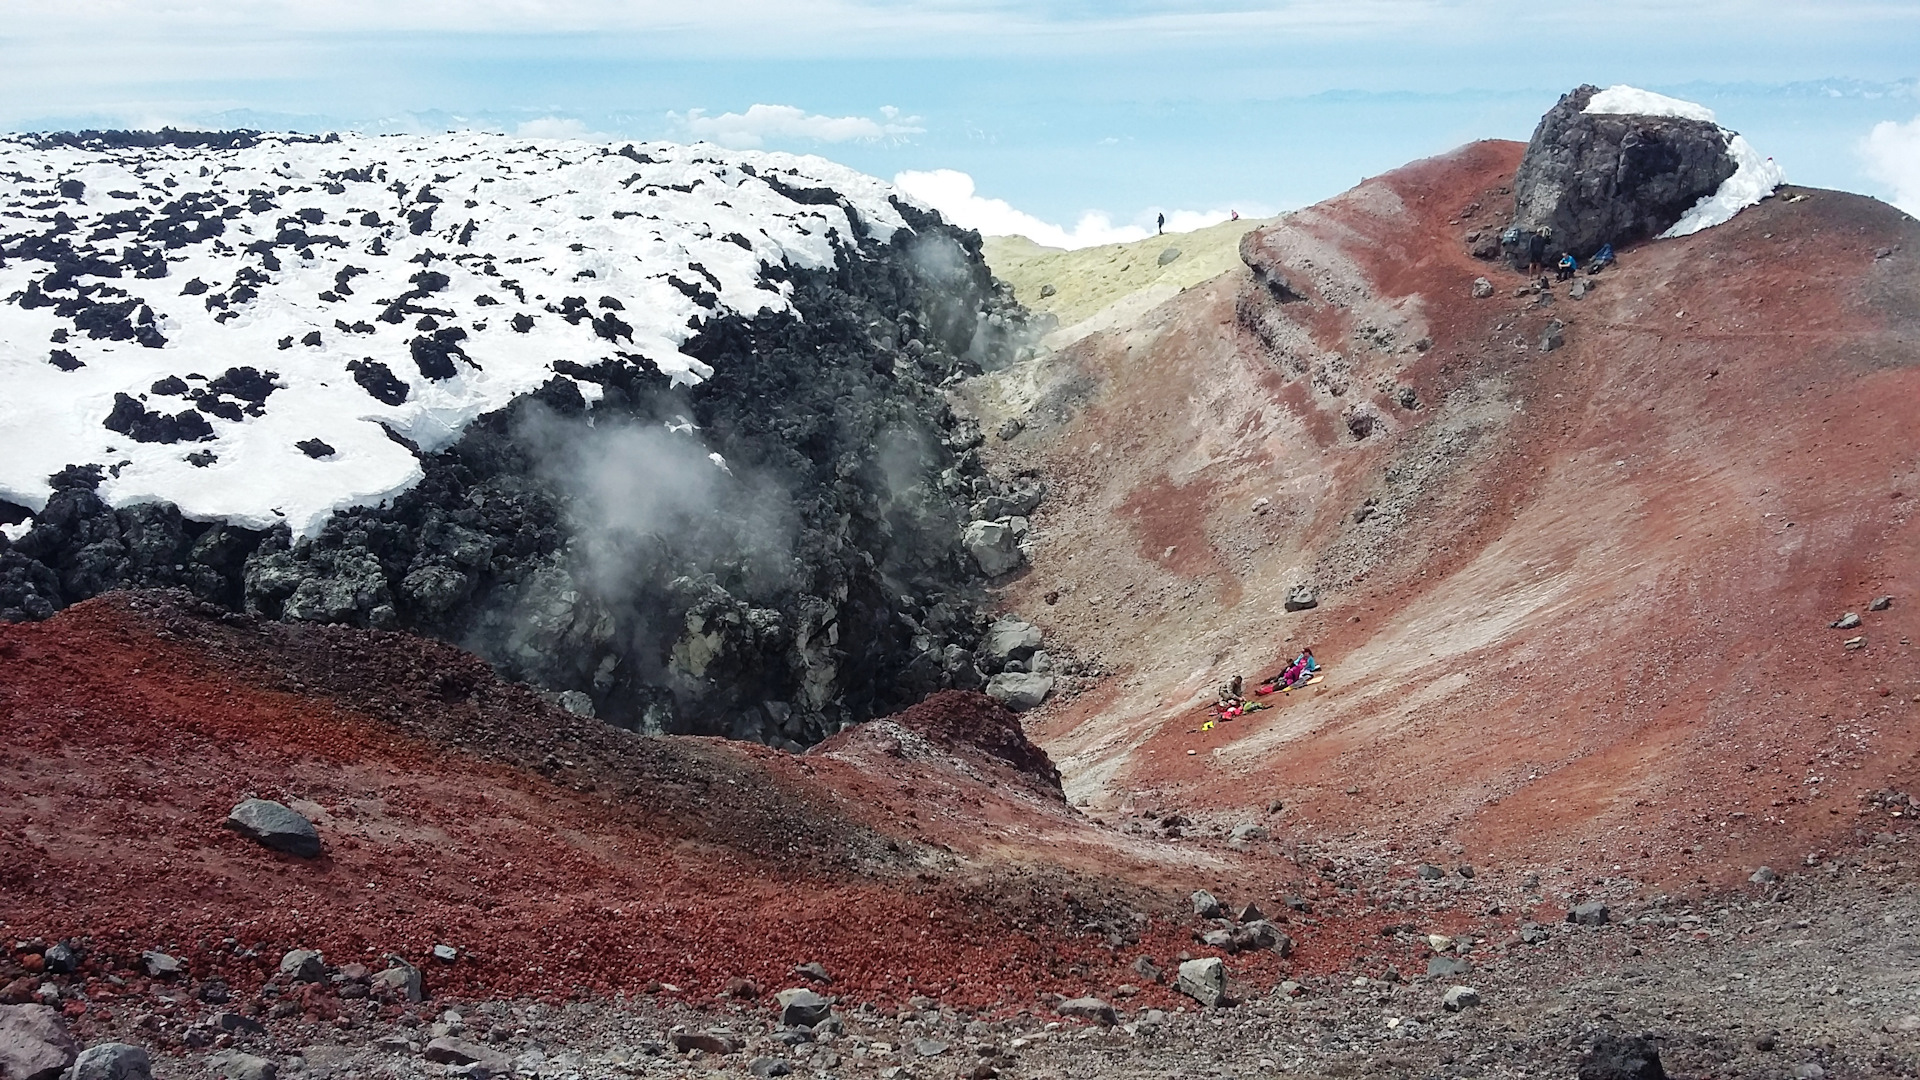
<point x="314" y="448"/>
<point x="1622" y="1057"/>
<point x="379" y="380"/>
<point x="1612" y="179"/>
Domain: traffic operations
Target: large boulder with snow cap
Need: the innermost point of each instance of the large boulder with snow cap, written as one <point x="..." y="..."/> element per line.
<point x="1616" y="166"/>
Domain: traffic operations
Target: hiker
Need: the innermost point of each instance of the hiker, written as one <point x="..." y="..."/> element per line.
<point x="1236" y="215"/>
<point x="1299" y="671"/>
<point x="1231" y="696"/>
<point x="1601" y="260"/>
<point x="1537" y="250"/>
<point x="1160" y="226"/>
<point x="1568" y="264"/>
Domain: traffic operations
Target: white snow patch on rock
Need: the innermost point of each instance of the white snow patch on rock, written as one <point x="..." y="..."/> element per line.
<point x="1633" y="101"/>
<point x="1755" y="178"/>
<point x="668" y="233"/>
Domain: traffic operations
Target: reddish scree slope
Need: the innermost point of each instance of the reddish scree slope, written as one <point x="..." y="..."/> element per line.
<point x="558" y="854"/>
<point x="1587" y="619"/>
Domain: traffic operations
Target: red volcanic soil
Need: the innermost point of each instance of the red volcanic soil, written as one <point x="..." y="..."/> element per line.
<point x="559" y="855"/>
<point x="1574" y="607"/>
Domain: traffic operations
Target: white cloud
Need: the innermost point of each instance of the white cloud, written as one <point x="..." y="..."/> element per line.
<point x="1892" y="154"/>
<point x="952" y="193"/>
<point x="752" y="129"/>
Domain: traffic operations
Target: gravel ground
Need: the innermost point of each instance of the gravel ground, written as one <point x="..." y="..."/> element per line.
<point x="1807" y="977"/>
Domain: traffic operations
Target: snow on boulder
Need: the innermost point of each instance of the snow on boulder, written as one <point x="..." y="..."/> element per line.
<point x="201" y="321"/>
<point x="1621" y="165"/>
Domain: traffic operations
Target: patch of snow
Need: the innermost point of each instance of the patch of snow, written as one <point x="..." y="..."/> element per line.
<point x="1754" y="180"/>
<point x="551" y="250"/>
<point x="1633" y="101"/>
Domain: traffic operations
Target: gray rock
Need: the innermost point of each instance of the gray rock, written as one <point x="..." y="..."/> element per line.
<point x="1144" y="967"/>
<point x="1019" y="690"/>
<point x="400" y="979"/>
<point x="1579" y="289"/>
<point x="1610" y="179"/>
<point x="161" y="966"/>
<point x="1459" y="997"/>
<point x="1810" y="1071"/>
<point x="237" y="1066"/>
<point x="453" y="1050"/>
<point x="61" y="959"/>
<point x="994" y="546"/>
<point x="1246" y="830"/>
<point x="576" y="702"/>
<point x="800" y="1007"/>
<point x="1764" y="876"/>
<point x="1622" y="1057"/>
<point x="1430" y="872"/>
<point x="813" y="972"/>
<point x="1249" y="913"/>
<point x="765" y="1067"/>
<point x="1880" y="603"/>
<point x="1301" y="598"/>
<point x="305" y="965"/>
<point x="1846" y="622"/>
<point x="1464" y="870"/>
<point x="1088" y="1008"/>
<point x="1482" y="288"/>
<point x="686" y="1042"/>
<point x="273" y="825"/>
<point x="1554" y="336"/>
<point x="1591" y="913"/>
<point x="1449" y="967"/>
<point x="1261" y="934"/>
<point x="1206" y="905"/>
<point x="238" y="1023"/>
<point x="927" y="1048"/>
<point x="1047" y="290"/>
<point x="112" y="1061"/>
<point x="1011" y="639"/>
<point x="1169" y="255"/>
<point x="1011" y="429"/>
<point x="1204" y="980"/>
<point x="446" y="954"/>
<point x="33" y="1043"/>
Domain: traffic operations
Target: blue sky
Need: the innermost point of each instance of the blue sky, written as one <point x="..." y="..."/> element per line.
<point x="1125" y="108"/>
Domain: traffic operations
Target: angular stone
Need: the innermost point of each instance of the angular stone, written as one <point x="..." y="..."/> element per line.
<point x="273" y="825"/>
<point x="686" y="1042"/>
<point x="304" y="965"/>
<point x="1482" y="288"/>
<point x="1301" y="598"/>
<point x="33" y="1043"/>
<point x="400" y="979"/>
<point x="1204" y="980"/>
<point x="453" y="1050"/>
<point x="1449" y="967"/>
<point x="1206" y="905"/>
<point x="764" y="1067"/>
<point x="160" y="966"/>
<point x="994" y="546"/>
<point x="1011" y="639"/>
<point x="1764" y="876"/>
<point x="800" y="1007"/>
<point x="1019" y="690"/>
<point x="814" y="972"/>
<point x="112" y="1061"/>
<point x="1088" y="1008"/>
<point x="1459" y="997"/>
<point x="237" y="1066"/>
<point x="1592" y="913"/>
<point x="1248" y="831"/>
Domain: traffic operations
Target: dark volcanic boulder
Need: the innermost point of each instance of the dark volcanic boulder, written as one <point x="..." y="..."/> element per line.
<point x="1613" y="179"/>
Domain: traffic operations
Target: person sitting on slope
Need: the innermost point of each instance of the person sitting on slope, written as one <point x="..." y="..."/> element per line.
<point x="1568" y="264"/>
<point x="1231" y="698"/>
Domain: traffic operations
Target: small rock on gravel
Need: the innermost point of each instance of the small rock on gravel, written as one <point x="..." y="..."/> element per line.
<point x="401" y="979"/>
<point x="306" y="965"/>
<point x="1249" y="912"/>
<point x="1459" y="997"/>
<point x="1206" y="905"/>
<point x="1248" y="831"/>
<point x="1880" y="603"/>
<point x="160" y="966"/>
<point x="1591" y="913"/>
<point x="1482" y="288"/>
<point x="927" y="1048"/>
<point x="800" y="1007"/>
<point x="813" y="972"/>
<point x="33" y="1044"/>
<point x="453" y="1050"/>
<point x="686" y="1042"/>
<point x="1764" y="876"/>
<point x="1622" y="1057"/>
<point x="1301" y="598"/>
<point x="446" y="954"/>
<point x="1088" y="1008"/>
<point x="1205" y="980"/>
<point x="274" y="826"/>
<point x="237" y="1066"/>
<point x="112" y="1061"/>
<point x="1020" y="690"/>
<point x="764" y="1067"/>
<point x="1449" y="966"/>
<point x="1430" y="872"/>
<point x="1846" y="622"/>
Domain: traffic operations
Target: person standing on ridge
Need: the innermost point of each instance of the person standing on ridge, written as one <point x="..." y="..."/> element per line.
<point x="1537" y="250"/>
<point x="1160" y="226"/>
